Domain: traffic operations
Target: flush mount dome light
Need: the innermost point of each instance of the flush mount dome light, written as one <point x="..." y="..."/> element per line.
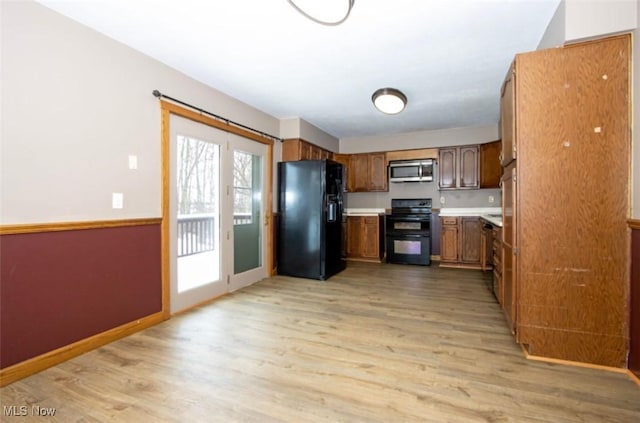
<point x="325" y="12"/>
<point x="389" y="100"/>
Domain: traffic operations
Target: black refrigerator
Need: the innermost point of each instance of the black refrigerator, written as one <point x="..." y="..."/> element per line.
<point x="310" y="206"/>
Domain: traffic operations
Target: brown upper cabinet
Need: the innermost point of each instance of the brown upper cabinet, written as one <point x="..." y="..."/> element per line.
<point x="297" y="149"/>
<point x="490" y="168"/>
<point x="365" y="172"/>
<point x="507" y="119"/>
<point x="415" y="154"/>
<point x="368" y="172"/>
<point x="469" y="166"/>
<point x="458" y="168"/>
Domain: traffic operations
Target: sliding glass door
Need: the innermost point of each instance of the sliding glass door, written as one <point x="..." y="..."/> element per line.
<point x="249" y="242"/>
<point x="216" y="213"/>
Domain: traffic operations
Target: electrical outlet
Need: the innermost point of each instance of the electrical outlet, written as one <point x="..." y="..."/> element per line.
<point x="442" y="201"/>
<point x="491" y="199"/>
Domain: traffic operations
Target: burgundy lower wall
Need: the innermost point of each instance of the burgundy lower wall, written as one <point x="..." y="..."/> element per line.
<point x="634" y="327"/>
<point x="60" y="287"/>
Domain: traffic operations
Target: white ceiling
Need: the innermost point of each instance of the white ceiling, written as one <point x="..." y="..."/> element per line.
<point x="448" y="56"/>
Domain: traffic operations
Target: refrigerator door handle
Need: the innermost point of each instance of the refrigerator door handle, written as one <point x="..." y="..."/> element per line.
<point x="332" y="212"/>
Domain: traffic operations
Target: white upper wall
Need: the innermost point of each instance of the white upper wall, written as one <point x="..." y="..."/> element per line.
<point x="75" y="104"/>
<point x="555" y="33"/>
<point x="318" y="137"/>
<point x="590" y="18"/>
<point x="290" y="128"/>
<point x="300" y="128"/>
<point x="420" y="139"/>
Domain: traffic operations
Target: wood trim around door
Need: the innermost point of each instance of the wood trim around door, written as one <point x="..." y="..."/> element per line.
<point x="167" y="110"/>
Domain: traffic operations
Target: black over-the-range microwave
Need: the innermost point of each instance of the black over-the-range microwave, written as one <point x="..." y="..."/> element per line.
<point x="411" y="170"/>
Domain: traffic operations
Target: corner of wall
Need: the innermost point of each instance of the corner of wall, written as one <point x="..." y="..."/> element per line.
<point x="554" y="35"/>
<point x="317" y="136"/>
<point x="589" y="19"/>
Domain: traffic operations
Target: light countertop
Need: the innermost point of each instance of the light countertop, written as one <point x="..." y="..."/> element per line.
<point x="363" y="212"/>
<point x="492" y="215"/>
<point x="493" y="219"/>
<point x="470" y="211"/>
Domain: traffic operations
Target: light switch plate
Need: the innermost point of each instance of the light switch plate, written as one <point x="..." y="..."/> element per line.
<point x="133" y="162"/>
<point x="491" y="199"/>
<point x="117" y="200"/>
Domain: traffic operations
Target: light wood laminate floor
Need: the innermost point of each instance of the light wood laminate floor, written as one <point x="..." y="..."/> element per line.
<point x="376" y="343"/>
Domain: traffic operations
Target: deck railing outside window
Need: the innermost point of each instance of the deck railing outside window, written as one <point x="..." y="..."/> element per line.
<point x="196" y="232"/>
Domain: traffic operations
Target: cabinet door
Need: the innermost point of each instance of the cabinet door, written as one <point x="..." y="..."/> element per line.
<point x="509" y="286"/>
<point x="378" y="172"/>
<point x="370" y="231"/>
<point x="325" y="154"/>
<point x="447" y="168"/>
<point x="305" y="151"/>
<point x="490" y="168"/>
<point x="509" y="244"/>
<point x="470" y="240"/>
<point x="354" y="232"/>
<point x="486" y="247"/>
<point x="507" y="119"/>
<point x="468" y="167"/>
<point x="359" y="172"/>
<point x="291" y="150"/>
<point x="497" y="264"/>
<point x="509" y="205"/>
<point x="315" y="152"/>
<point x="449" y="243"/>
<point x="343" y="159"/>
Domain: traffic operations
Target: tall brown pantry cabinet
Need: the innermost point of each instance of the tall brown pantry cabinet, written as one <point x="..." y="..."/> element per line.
<point x="566" y="184"/>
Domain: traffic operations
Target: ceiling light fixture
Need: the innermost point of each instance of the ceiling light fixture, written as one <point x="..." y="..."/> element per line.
<point x="325" y="12"/>
<point x="389" y="100"/>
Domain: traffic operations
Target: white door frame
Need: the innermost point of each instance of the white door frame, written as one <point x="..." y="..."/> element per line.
<point x="240" y="280"/>
<point x="167" y="110"/>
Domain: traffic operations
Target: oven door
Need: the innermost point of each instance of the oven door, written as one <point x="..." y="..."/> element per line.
<point x="409" y="225"/>
<point x="409" y="249"/>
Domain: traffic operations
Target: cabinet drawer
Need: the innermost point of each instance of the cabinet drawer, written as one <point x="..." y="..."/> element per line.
<point x="449" y="220"/>
<point x="371" y="220"/>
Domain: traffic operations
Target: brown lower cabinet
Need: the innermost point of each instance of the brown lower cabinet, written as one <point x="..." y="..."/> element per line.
<point x="365" y="238"/>
<point x="497" y="263"/>
<point x="460" y="240"/>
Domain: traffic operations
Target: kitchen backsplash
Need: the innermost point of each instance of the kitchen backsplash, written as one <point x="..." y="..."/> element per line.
<point x="455" y="198"/>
